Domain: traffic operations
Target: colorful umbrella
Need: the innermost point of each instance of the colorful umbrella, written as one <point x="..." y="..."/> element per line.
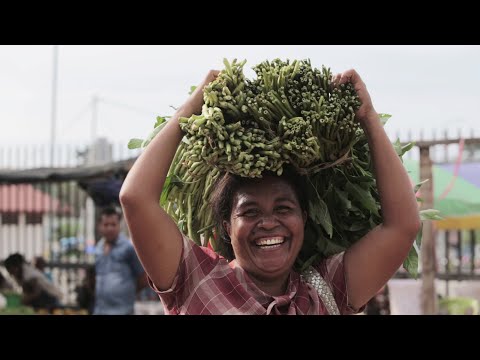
<point x="460" y="206"/>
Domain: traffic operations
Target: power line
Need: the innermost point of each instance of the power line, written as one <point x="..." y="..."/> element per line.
<point x="76" y="119"/>
<point x="89" y="108"/>
<point x="92" y="107"/>
<point x="124" y="105"/>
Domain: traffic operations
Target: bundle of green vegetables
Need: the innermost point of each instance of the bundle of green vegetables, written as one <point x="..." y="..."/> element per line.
<point x="290" y="114"/>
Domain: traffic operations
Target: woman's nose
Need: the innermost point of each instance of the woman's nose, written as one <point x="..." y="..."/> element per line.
<point x="268" y="222"/>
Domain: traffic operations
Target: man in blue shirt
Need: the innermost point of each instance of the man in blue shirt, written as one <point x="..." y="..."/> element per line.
<point x="119" y="273"/>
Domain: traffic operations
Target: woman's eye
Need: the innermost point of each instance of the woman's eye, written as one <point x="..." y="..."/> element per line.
<point x="283" y="209"/>
<point x="250" y="213"/>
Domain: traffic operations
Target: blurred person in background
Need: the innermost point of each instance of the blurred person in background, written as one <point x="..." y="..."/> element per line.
<point x="119" y="273"/>
<point x="86" y="291"/>
<point x="40" y="263"/>
<point x="37" y="291"/>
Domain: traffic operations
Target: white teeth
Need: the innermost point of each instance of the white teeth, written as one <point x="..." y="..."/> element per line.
<point x="269" y="242"/>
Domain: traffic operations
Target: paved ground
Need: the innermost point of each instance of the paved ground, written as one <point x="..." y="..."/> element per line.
<point x="148" y="308"/>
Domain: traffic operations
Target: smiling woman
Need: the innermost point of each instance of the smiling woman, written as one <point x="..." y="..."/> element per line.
<point x="261" y="223"/>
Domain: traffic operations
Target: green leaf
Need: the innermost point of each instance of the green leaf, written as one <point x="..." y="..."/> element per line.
<point x="140" y="143"/>
<point x="418" y="239"/>
<point x="166" y="190"/>
<point x="372" y="222"/>
<point x="384" y="118"/>
<point x="359" y="179"/>
<point x="319" y="213"/>
<point x="176" y="180"/>
<point x="411" y="262"/>
<point x="397" y="145"/>
<point x="430" y="214"/>
<point x="419" y="185"/>
<point x="343" y="197"/>
<point x="356" y="227"/>
<point x="135" y="143"/>
<point x="158" y="127"/>
<point x="407" y="147"/>
<point x="180" y="224"/>
<point x="332" y="248"/>
<point x="401" y="150"/>
<point x="170" y="181"/>
<point x="192" y="89"/>
<point x="363" y="196"/>
<point x="309" y="262"/>
<point x="160" y="121"/>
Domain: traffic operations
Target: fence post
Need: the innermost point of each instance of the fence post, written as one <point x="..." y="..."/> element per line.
<point x="428" y="295"/>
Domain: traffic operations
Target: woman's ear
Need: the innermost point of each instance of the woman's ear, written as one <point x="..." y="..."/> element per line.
<point x="227" y="227"/>
<point x="305" y="217"/>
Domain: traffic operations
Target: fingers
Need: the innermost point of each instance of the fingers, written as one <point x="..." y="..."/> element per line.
<point x="350" y="76"/>
<point x="336" y="79"/>
<point x="345" y="77"/>
<point x="212" y="75"/>
<point x="215" y="72"/>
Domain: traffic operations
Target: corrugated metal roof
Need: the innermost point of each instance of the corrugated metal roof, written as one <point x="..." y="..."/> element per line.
<point x="66" y="174"/>
<point x="25" y="198"/>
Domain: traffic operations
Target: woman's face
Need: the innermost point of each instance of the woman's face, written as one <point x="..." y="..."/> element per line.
<point x="266" y="227"/>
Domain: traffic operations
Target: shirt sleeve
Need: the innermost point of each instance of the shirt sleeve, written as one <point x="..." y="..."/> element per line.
<point x="332" y="270"/>
<point x="196" y="263"/>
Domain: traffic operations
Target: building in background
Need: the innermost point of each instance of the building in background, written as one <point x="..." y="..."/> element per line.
<point x="24" y="219"/>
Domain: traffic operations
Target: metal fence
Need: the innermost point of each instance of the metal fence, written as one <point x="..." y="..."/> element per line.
<point x="19" y="157"/>
<point x="456" y="252"/>
<point x="445" y="144"/>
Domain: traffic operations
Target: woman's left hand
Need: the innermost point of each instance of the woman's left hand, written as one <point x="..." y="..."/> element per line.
<point x="366" y="112"/>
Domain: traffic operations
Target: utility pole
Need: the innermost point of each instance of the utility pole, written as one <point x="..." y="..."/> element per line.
<point x="54" y="105"/>
<point x="428" y="296"/>
<point x="94" y="124"/>
<point x="52" y="189"/>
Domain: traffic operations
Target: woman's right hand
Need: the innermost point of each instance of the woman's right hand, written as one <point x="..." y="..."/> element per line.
<point x="193" y="105"/>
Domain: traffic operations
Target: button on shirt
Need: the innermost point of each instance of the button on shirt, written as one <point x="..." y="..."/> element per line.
<point x="116" y="278"/>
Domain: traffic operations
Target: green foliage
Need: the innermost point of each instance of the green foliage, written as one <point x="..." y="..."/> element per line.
<point x="290" y="114"/>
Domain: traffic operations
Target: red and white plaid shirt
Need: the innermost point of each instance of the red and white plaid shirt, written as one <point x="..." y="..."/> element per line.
<point x="206" y="284"/>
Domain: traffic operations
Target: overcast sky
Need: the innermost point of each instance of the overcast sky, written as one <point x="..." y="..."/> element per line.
<point x="429" y="87"/>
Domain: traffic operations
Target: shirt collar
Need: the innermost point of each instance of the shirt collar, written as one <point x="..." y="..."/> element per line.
<point x="267" y="300"/>
<point x="119" y="241"/>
